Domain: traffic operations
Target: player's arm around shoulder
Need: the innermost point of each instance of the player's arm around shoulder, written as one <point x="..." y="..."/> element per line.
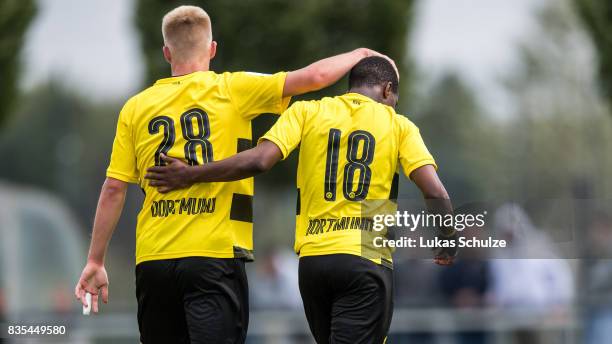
<point x="325" y="72"/>
<point x="275" y="145"/>
<point x="253" y="93"/>
<point x="176" y="174"/>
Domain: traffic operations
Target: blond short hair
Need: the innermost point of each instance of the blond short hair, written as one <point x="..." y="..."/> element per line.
<point x="187" y="31"/>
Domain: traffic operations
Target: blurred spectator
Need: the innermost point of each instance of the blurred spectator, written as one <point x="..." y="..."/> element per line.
<point x="465" y="284"/>
<point x="528" y="274"/>
<point x="415" y="281"/>
<point x="2" y="310"/>
<point x="599" y="235"/>
<point x="274" y="282"/>
<point x="598" y="280"/>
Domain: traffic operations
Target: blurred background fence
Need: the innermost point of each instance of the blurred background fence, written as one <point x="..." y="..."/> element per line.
<point x="512" y="98"/>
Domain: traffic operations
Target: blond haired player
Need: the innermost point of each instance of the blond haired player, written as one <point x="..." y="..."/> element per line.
<point x="351" y="148"/>
<point x="191" y="245"/>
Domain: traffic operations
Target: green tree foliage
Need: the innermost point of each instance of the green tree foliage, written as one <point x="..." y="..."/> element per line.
<point x="15" y="17"/>
<point x="272" y="35"/>
<point x="597" y="18"/>
<point x="60" y="142"/>
<point x="60" y="138"/>
<point x="557" y="134"/>
<point x="561" y="135"/>
<point x="457" y="133"/>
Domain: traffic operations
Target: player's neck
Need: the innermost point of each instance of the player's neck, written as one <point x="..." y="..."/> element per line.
<point x="368" y="92"/>
<point x="179" y="69"/>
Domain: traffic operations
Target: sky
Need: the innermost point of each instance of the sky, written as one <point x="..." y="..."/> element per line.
<point x="93" y="47"/>
<point x="475" y="38"/>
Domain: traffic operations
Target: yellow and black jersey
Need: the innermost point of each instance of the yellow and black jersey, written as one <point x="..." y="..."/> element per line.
<point x="199" y="117"/>
<point x="350" y="148"/>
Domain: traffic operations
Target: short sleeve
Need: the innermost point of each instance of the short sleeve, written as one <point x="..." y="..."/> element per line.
<point x="123" y="157"/>
<point x="286" y="133"/>
<point x="254" y="94"/>
<point x="412" y="150"/>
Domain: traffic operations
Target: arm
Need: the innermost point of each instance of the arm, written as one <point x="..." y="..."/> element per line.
<point x="94" y="278"/>
<point x="436" y="198"/>
<point x="177" y="174"/>
<point x="324" y="72"/>
<point x="437" y="201"/>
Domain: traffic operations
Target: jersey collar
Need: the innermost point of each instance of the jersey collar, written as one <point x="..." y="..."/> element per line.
<point x="359" y="97"/>
<point x="178" y="78"/>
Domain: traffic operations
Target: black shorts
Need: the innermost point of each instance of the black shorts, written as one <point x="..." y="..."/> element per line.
<point x="347" y="299"/>
<point x="192" y="300"/>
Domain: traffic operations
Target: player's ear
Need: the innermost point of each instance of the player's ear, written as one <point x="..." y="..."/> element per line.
<point x="167" y="54"/>
<point x="213" y="49"/>
<point x="389" y="97"/>
<point x="387" y="91"/>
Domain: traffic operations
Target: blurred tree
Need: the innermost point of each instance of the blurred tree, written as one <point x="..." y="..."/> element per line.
<point x="561" y="133"/>
<point x="597" y="18"/>
<point x="15" y="17"/>
<point x="272" y="35"/>
<point x="558" y="134"/>
<point x="65" y="140"/>
<point x="459" y="136"/>
<point x="60" y="142"/>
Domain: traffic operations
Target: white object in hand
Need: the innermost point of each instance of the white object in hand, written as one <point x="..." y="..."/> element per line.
<point x="87" y="309"/>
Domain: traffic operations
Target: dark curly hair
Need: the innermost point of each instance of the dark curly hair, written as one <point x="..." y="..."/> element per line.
<point x="373" y="71"/>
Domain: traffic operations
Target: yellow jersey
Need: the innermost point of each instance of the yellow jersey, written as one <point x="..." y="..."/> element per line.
<point x="350" y="151"/>
<point x="198" y="117"/>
